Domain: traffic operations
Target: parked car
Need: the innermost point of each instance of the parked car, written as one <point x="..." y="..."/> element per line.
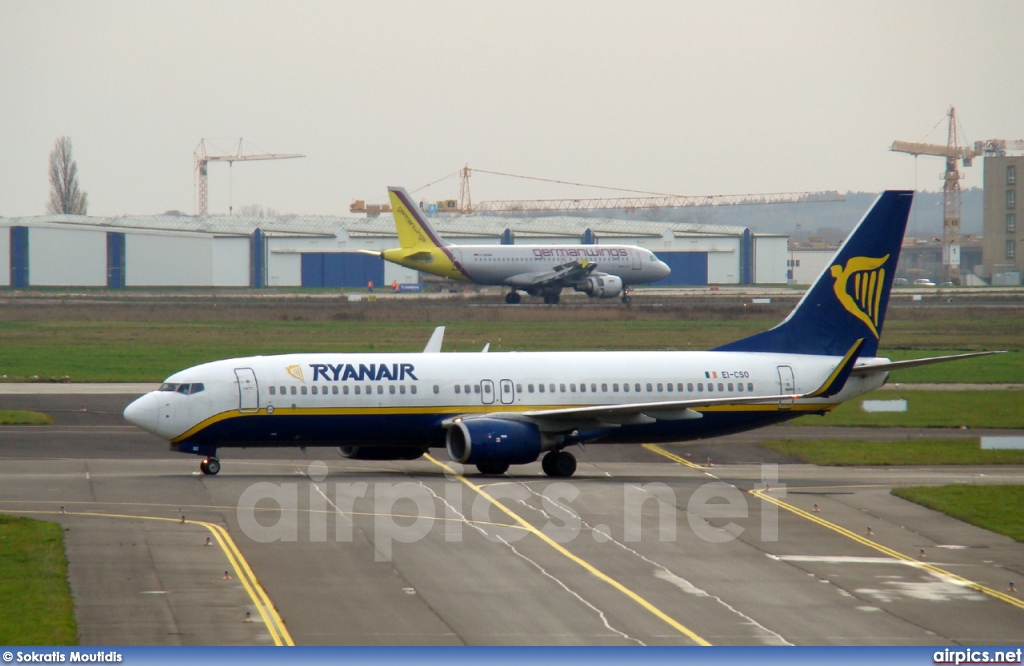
<point x="923" y="282"/>
<point x="901" y="282"/>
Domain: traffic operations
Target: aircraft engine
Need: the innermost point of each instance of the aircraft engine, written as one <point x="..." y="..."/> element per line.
<point x="601" y="286"/>
<point x="380" y="452"/>
<point x="494" y="441"/>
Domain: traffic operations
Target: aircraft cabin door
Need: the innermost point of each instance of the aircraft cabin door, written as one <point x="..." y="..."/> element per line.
<point x="248" y="395"/>
<point x="508" y="392"/>
<point x="487" y="392"/>
<point x="787" y="385"/>
<point x="637" y="259"/>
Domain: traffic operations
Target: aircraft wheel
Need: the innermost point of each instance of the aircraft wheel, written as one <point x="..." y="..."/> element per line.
<point x="512" y="297"/>
<point x="492" y="468"/>
<point x="210" y="466"/>
<point x="627" y="299"/>
<point x="204" y="468"/>
<point x="559" y="463"/>
<point x="551" y="299"/>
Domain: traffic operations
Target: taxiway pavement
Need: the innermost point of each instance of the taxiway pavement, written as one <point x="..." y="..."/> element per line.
<point x="638" y="547"/>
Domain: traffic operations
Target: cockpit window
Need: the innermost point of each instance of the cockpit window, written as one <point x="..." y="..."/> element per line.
<point x="184" y="389"/>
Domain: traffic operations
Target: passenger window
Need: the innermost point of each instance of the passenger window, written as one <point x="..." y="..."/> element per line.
<point x="637" y="387"/>
<point x="273" y="390"/>
<point x="551" y="388"/>
<point x="413" y="388"/>
<point x="730" y="386"/>
<point x="467" y="388"/>
<point x="476" y="388"/>
<point x="561" y="388"/>
<point x="740" y="387"/>
<point x="540" y="388"/>
<point x="519" y="388"/>
<point x="615" y="388"/>
<point x="437" y="389"/>
<point x="314" y="390"/>
<point x="650" y="388"/>
<point x="604" y="388"/>
<point x="458" y="389"/>
<point x="720" y="387"/>
<point x="391" y="389"/>
<point x="358" y="389"/>
<point x="334" y="389"/>
<point x="668" y="386"/>
<point x="593" y="388"/>
<point x="689" y="387"/>
<point x="529" y="388"/>
<point x="380" y="389"/>
<point x="303" y="390"/>
<point x="625" y="388"/>
<point x="344" y="389"/>
<point x="572" y="387"/>
<point x="750" y="387"/>
<point x="487" y="389"/>
<point x="679" y="387"/>
<point x="293" y="390"/>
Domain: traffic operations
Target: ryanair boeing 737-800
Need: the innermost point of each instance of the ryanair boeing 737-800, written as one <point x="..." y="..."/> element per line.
<point x="494" y="410"/>
<point x="600" y="271"/>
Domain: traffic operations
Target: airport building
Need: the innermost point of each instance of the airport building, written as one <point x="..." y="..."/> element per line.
<point x="1003" y="233"/>
<point x="326" y="252"/>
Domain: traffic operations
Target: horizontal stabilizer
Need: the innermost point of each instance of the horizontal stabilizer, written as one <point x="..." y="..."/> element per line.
<point x="887" y="366"/>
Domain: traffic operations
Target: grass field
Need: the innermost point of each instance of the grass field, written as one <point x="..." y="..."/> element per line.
<point x="35" y="600"/>
<point x="996" y="508"/>
<point x="914" y="452"/>
<point x="146" y="342"/>
<point x="942" y="409"/>
<point x="24" y="417"/>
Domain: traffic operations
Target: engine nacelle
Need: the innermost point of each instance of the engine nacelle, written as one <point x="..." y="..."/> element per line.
<point x="380" y="452"/>
<point x="601" y="286"/>
<point x="484" y="440"/>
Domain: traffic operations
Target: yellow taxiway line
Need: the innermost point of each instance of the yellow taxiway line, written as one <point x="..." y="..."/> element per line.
<point x="646" y="605"/>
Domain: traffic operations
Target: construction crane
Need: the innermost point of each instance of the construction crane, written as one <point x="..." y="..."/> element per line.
<point x="952" y="151"/>
<point x="202" y="158"/>
<point x="654" y="200"/>
<point x="997" y="147"/>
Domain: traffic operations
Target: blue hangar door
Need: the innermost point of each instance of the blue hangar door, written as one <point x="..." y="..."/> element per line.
<point x="341" y="269"/>
<point x="688" y="268"/>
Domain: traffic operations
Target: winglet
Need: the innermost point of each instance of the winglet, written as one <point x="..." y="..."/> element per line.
<point x="837" y="380"/>
<point x="434" y="344"/>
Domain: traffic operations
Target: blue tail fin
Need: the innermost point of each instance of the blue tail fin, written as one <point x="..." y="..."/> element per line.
<point x="849" y="299"/>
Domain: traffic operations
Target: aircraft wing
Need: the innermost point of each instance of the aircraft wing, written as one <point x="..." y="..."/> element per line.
<point x="602" y="416"/>
<point x="568" y="273"/>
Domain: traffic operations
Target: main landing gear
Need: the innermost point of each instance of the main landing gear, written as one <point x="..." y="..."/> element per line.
<point x="559" y="463"/>
<point x="210" y="466"/>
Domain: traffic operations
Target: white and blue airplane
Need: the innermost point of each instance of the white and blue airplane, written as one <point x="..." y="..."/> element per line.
<point x="494" y="410"/>
<point x="600" y="271"/>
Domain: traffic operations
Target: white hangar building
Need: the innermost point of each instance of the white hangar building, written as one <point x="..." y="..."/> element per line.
<point x="225" y="251"/>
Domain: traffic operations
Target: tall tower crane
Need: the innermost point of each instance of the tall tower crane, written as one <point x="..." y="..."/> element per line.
<point x="651" y="200"/>
<point x="952" y="151"/>
<point x="202" y="158"/>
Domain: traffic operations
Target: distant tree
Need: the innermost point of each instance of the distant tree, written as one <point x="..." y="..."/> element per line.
<point x="257" y="210"/>
<point x="65" y="197"/>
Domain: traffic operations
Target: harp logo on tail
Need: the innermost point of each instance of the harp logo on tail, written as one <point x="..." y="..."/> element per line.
<point x="859" y="288"/>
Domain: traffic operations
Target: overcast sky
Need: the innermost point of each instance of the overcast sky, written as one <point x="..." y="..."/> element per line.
<point x="675" y="97"/>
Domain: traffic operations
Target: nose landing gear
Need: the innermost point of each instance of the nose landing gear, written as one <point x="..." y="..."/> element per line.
<point x="210" y="466"/>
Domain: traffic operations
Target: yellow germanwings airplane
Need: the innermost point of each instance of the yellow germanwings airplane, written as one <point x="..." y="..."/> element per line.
<point x="494" y="410"/>
<point x="600" y="271"/>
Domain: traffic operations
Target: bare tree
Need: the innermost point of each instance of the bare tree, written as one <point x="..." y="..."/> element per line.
<point x="65" y="197"/>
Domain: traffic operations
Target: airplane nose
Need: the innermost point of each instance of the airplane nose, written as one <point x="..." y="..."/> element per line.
<point x="663" y="270"/>
<point x="142" y="413"/>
